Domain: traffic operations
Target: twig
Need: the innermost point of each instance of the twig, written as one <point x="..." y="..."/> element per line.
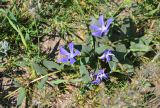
<point x="37" y="79"/>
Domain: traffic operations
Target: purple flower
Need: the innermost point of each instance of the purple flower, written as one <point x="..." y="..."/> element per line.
<point x="69" y="56"/>
<point x="101" y="28"/>
<point x="106" y="55"/>
<point x="99" y="77"/>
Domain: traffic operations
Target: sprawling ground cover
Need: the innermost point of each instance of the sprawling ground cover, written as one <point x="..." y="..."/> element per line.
<point x="79" y="53"/>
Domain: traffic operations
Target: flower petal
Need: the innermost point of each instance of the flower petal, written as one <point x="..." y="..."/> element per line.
<point x="109" y="21"/>
<point x="102" y="57"/>
<point x="105" y="76"/>
<point x="71" y="47"/>
<point x="110" y="52"/>
<point x="101" y="20"/>
<point x="108" y="59"/>
<point x="101" y="71"/>
<point x="97" y="33"/>
<point x="96" y="82"/>
<point x="72" y="60"/>
<point x="106" y="31"/>
<point x="94" y="27"/>
<point x="63" y="60"/>
<point x="63" y="51"/>
<point x="77" y="52"/>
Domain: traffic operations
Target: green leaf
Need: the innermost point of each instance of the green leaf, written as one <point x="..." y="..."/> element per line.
<point x="21" y="63"/>
<point x="86" y="49"/>
<point x="39" y="69"/>
<point x="58" y="81"/>
<point x="86" y="59"/>
<point x="89" y="40"/>
<point x="21" y="96"/>
<point x="18" y="30"/>
<point x="104" y="40"/>
<point x="52" y="65"/>
<point x="4" y="0"/>
<point x="12" y="24"/>
<point x="42" y="82"/>
<point x="114" y="59"/>
<point x="16" y="83"/>
<point x="147" y="84"/>
<point x="138" y="53"/>
<point x="84" y="73"/>
<point x="75" y="80"/>
<point x="121" y="48"/>
<point x="127" y="2"/>
<point x="112" y="65"/>
<point x="152" y="12"/>
<point x="139" y="47"/>
<point x="128" y="67"/>
<point x="12" y="17"/>
<point x="146" y="39"/>
<point x="2" y="10"/>
<point x="27" y="37"/>
<point x="100" y="50"/>
<point x="128" y="28"/>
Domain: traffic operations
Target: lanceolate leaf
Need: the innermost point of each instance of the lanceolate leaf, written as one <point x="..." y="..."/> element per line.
<point x="39" y="69"/>
<point x="52" y="65"/>
<point x="21" y="96"/>
<point x="58" y="81"/>
<point x="42" y="82"/>
<point x="84" y="73"/>
<point x="18" y="30"/>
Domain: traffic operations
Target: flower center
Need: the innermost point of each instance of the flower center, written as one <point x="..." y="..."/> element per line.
<point x="101" y="76"/>
<point x="103" y="28"/>
<point x="71" y="55"/>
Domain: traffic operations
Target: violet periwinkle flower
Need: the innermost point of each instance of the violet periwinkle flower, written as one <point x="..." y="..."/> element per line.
<point x="101" y="28"/>
<point x="106" y="56"/>
<point x="69" y="56"/>
<point x="99" y="77"/>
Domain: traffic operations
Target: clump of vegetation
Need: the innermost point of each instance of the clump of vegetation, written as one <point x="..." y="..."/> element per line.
<point x="81" y="53"/>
